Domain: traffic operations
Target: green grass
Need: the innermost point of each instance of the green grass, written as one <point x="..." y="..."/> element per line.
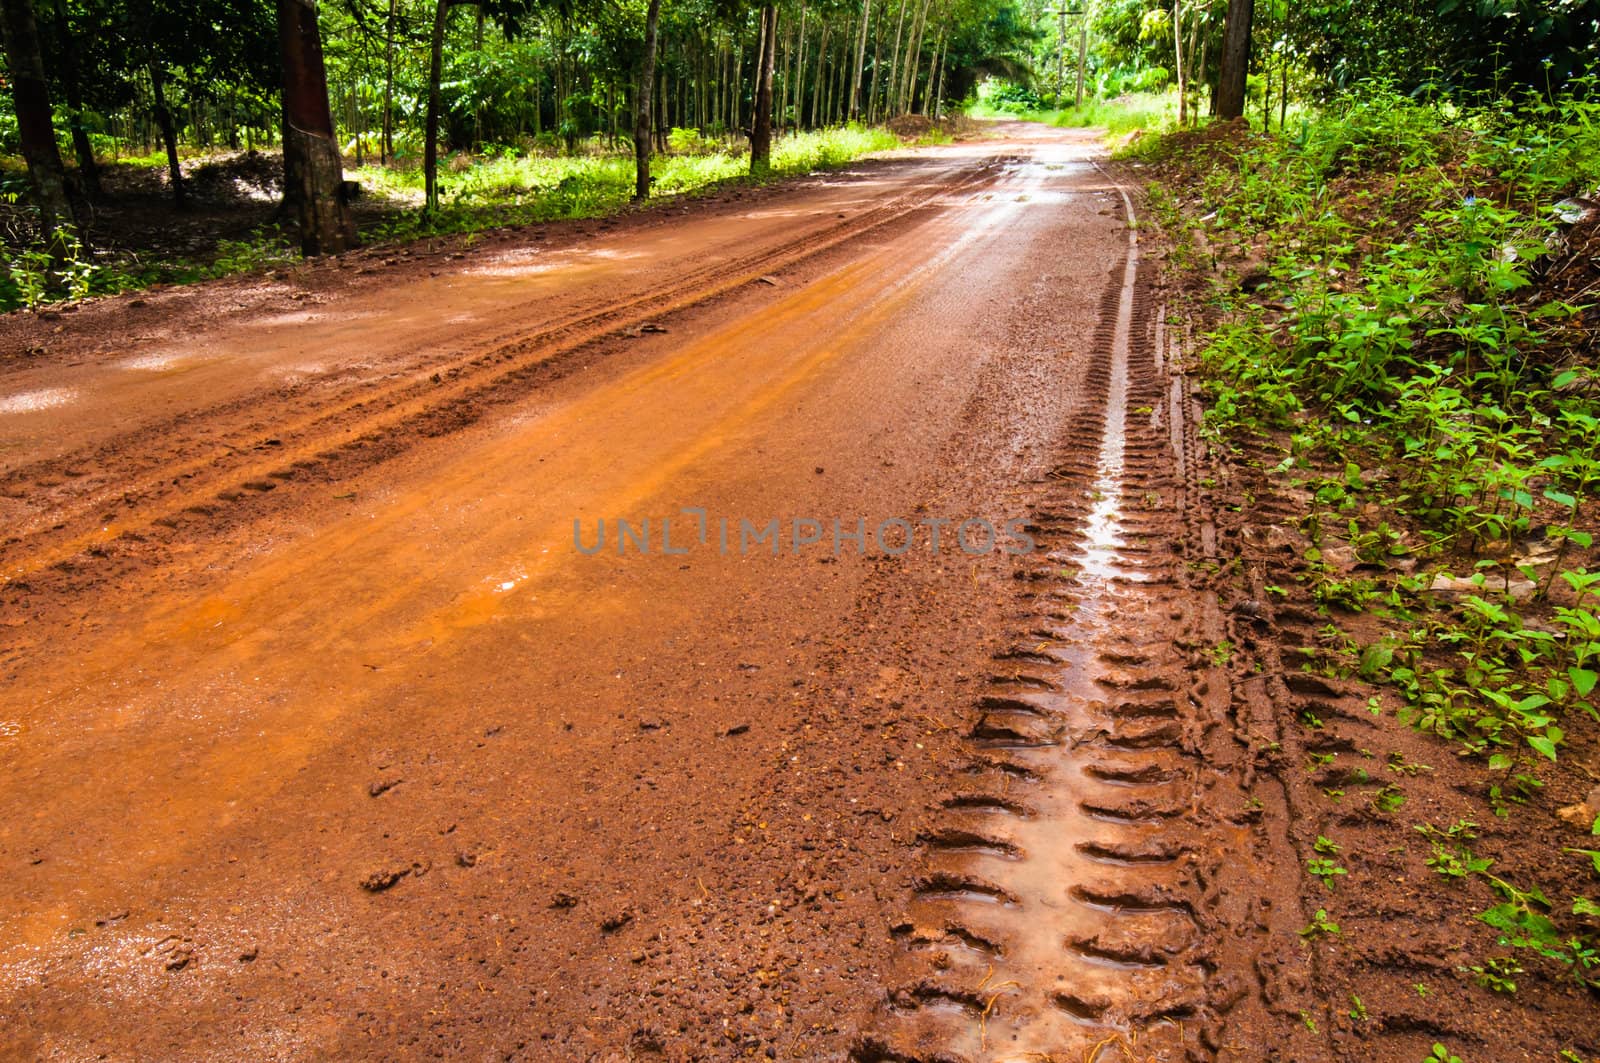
<point x="530" y="189"/>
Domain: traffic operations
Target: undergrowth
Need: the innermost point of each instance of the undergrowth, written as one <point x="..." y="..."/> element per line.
<point x="524" y="189"/>
<point x="1397" y="298"/>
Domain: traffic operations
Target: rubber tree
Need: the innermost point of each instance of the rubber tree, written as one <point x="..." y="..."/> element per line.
<point x="430" y="133"/>
<point x="30" y="95"/>
<point x="1177" y="62"/>
<point x="761" y="125"/>
<point x="1233" y="77"/>
<point x="168" y="127"/>
<point x="72" y="85"/>
<point x="860" y="63"/>
<point x="386" y="147"/>
<point x="313" y="170"/>
<point x="641" y="103"/>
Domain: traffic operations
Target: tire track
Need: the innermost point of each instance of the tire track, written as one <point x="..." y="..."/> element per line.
<point x="1075" y="884"/>
<point x="177" y="473"/>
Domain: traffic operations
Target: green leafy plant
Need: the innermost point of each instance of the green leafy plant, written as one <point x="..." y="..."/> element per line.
<point x="1497" y="973"/>
<point x="1320" y="924"/>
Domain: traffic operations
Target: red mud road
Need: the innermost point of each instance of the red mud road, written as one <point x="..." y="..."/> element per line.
<point x="320" y="740"/>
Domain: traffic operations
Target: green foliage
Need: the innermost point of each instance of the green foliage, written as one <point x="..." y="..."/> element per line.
<point x="1325" y="869"/>
<point x="1149" y="112"/>
<point x="1403" y="351"/>
<point x="1451" y="45"/>
<point x="1320" y="925"/>
<point x="1497" y="973"/>
<point x="997" y="97"/>
<point x="1418" y="348"/>
<point x="1145" y="112"/>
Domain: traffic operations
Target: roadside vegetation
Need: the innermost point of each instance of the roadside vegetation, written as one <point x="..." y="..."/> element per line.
<point x="1153" y="112"/>
<point x="1394" y="304"/>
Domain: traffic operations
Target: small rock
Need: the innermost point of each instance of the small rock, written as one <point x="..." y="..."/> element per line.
<point x="736" y="729"/>
<point x="1576" y="210"/>
<point x="1518" y="589"/>
<point x="1583" y="814"/>
<point x="563" y="900"/>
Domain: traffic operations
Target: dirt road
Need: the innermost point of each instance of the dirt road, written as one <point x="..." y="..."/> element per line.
<point x="324" y="737"/>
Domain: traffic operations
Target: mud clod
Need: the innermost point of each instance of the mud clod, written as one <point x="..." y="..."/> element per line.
<point x="383" y="878"/>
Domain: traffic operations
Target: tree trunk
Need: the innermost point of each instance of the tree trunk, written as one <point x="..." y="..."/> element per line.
<point x="386" y="149"/>
<point x="936" y="75"/>
<point x="30" y="95"/>
<point x="822" y="70"/>
<point x="641" y="104"/>
<point x="1197" y="67"/>
<point x="908" y="89"/>
<point x="663" y="102"/>
<point x="1266" y="71"/>
<point x="761" y="124"/>
<point x="430" y="143"/>
<point x="830" y="106"/>
<point x="797" y="87"/>
<point x="877" y="70"/>
<point x="72" y="82"/>
<point x="169" y="130"/>
<point x="312" y="168"/>
<point x="1235" y="71"/>
<point x="477" y="112"/>
<point x="1283" y="96"/>
<point x="927" y="86"/>
<point x="755" y="70"/>
<point x="1177" y="61"/>
<point x="893" y="80"/>
<point x="861" y="60"/>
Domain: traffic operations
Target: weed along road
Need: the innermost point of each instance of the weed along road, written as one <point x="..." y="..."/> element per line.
<point x="775" y="627"/>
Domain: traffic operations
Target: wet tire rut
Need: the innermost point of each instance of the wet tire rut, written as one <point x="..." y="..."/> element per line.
<point x="1078" y="886"/>
<point x="183" y="475"/>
